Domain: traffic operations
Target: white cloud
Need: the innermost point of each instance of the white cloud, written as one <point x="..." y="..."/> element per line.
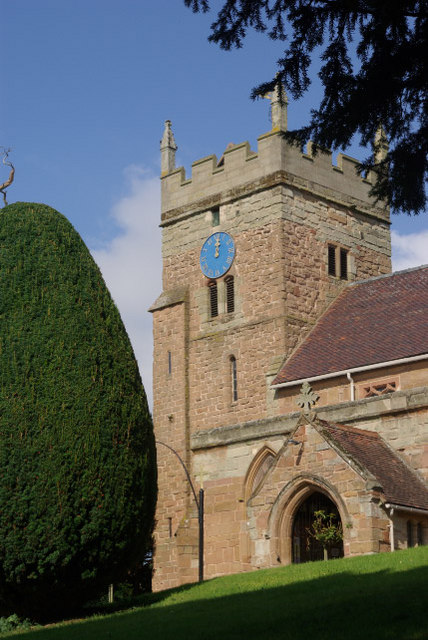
<point x="409" y="250"/>
<point x="131" y="263"/>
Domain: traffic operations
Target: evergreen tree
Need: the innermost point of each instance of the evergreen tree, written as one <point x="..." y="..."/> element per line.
<point x="374" y="72"/>
<point x="77" y="454"/>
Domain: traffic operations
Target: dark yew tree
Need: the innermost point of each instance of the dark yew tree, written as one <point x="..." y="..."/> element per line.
<point x="77" y="454"/>
<point x="374" y="72"/>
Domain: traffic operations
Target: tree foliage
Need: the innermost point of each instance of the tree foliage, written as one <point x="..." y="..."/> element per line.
<point x="374" y="72"/>
<point x="77" y="456"/>
<point x="325" y="530"/>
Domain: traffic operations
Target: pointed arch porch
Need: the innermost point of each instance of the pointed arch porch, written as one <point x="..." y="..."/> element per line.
<point x="286" y="506"/>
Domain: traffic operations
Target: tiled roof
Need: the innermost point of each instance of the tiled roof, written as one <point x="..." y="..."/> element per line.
<point x="400" y="485"/>
<point x="371" y="321"/>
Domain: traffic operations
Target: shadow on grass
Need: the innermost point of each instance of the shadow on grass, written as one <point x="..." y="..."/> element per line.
<point x="142" y="600"/>
<point x="382" y="606"/>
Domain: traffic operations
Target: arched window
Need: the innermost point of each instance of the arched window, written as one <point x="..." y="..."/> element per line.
<point x="230" y="294"/>
<point x="257" y="471"/>
<point x="420" y="535"/>
<point x="234" y="378"/>
<point x="213" y="299"/>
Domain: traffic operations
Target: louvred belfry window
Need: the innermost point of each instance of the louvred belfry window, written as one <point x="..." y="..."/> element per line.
<point x="331" y="260"/>
<point x="213" y="299"/>
<point x="343" y="264"/>
<point x="230" y="294"/>
<point x="337" y="262"/>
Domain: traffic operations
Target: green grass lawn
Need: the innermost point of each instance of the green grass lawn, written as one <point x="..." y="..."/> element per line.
<point x="369" y="597"/>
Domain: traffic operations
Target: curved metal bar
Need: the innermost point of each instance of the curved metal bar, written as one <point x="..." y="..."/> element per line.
<point x="185" y="470"/>
<point x="200" y="506"/>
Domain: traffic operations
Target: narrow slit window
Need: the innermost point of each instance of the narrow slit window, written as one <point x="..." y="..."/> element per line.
<point x="215" y="217"/>
<point x="343" y="264"/>
<point x="169" y="363"/>
<point x="234" y="378"/>
<point x="213" y="299"/>
<point x="230" y="294"/>
<point x="331" y="260"/>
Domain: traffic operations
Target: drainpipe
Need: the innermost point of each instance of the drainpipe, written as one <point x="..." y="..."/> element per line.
<point x="352" y="383"/>
<point x="391" y="530"/>
<point x="399" y="507"/>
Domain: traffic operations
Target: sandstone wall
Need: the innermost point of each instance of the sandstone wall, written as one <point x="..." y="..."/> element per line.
<point x="282" y="209"/>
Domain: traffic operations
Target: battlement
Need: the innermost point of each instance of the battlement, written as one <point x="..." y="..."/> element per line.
<point x="276" y="161"/>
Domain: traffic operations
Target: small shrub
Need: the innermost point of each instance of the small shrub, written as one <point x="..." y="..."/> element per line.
<point x="13" y="623"/>
<point x="325" y="530"/>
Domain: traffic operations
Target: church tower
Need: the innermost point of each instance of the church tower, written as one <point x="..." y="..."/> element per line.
<point x="255" y="247"/>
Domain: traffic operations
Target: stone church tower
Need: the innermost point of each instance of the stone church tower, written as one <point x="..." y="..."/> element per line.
<point x="255" y="247"/>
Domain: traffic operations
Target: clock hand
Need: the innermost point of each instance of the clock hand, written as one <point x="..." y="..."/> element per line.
<point x="217" y="245"/>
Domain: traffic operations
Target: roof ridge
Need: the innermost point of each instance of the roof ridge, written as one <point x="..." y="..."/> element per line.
<point x="387" y="275"/>
<point x="348" y="428"/>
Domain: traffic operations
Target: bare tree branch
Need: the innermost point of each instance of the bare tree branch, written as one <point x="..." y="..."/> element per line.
<point x="11" y="174"/>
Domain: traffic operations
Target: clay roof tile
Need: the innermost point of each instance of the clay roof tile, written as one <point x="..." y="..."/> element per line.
<point x="373" y="321"/>
<point x="398" y="482"/>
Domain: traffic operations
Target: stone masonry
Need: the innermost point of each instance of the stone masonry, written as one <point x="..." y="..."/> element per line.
<point x="282" y="208"/>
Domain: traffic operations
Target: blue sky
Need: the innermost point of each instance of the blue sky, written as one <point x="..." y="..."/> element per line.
<point x="86" y="87"/>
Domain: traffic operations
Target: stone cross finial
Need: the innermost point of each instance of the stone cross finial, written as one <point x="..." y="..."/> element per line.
<point x="381" y="145"/>
<point x="278" y="107"/>
<point x="168" y="149"/>
<point x="307" y="398"/>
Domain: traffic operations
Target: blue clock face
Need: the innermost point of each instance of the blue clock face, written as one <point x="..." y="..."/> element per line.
<point x="217" y="255"/>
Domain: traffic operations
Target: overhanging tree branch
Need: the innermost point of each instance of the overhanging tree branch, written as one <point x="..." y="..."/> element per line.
<point x="374" y="70"/>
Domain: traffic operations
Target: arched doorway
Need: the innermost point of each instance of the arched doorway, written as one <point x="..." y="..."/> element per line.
<point x="304" y="547"/>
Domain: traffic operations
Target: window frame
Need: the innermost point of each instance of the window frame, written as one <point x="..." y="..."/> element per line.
<point x="338" y="261"/>
<point x="215" y="216"/>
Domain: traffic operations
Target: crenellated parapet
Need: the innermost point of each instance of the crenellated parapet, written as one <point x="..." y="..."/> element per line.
<point x="276" y="161"/>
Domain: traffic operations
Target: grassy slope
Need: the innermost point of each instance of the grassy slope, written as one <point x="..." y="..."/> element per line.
<point x="371" y="597"/>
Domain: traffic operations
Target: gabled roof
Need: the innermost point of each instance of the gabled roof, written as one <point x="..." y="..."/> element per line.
<point x="400" y="484"/>
<point x="372" y="321"/>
